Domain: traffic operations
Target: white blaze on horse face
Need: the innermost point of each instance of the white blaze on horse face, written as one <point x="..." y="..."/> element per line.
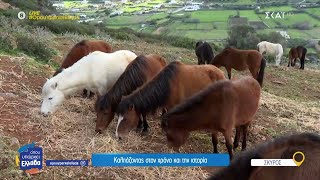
<point x="52" y="98"/>
<point x="119" y="121"/>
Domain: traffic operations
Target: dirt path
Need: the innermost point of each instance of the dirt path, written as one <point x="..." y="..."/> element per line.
<point x="16" y="89"/>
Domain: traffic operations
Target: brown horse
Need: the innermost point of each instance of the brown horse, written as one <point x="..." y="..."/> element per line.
<point x="138" y="72"/>
<point x="204" y="52"/>
<point x="80" y="50"/>
<point x="279" y="148"/>
<point x="218" y="108"/>
<point x="295" y="53"/>
<point x="172" y="85"/>
<point x="241" y="60"/>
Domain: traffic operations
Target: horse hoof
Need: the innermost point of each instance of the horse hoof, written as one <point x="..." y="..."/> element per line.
<point x="144" y="132"/>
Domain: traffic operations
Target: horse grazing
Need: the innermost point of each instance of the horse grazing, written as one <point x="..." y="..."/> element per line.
<point x="138" y="72"/>
<point x="204" y="52"/>
<point x="96" y="72"/>
<point x="279" y="148"/>
<point x="80" y="50"/>
<point x="241" y="60"/>
<point x="171" y="86"/>
<point x="218" y="108"/>
<point x="271" y="49"/>
<point x="295" y="53"/>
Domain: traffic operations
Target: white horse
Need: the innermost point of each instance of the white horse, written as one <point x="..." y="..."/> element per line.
<point x="271" y="49"/>
<point x="96" y="72"/>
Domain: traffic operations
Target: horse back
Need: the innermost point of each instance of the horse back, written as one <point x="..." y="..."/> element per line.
<point x="248" y="92"/>
<point x="155" y="64"/>
<point x="82" y="49"/>
<point x="191" y="79"/>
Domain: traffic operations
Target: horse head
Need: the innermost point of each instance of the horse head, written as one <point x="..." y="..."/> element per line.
<point x="105" y="113"/>
<point x="128" y="119"/>
<point x="52" y="97"/>
<point x="199" y="43"/>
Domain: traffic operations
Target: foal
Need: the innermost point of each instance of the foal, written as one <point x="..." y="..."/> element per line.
<point x="295" y="53"/>
<point x="241" y="60"/>
<point x="219" y="108"/>
<point x="204" y="52"/>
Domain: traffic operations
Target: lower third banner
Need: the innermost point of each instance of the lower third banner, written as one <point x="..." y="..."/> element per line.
<point x="149" y="160"/>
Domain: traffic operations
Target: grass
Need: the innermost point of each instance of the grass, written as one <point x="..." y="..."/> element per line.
<point x="297" y="18"/>
<point x="314" y="11"/>
<point x="278" y="9"/>
<point x="118" y="20"/>
<point x="210" y="16"/>
<point x="157" y="16"/>
<point x="250" y="14"/>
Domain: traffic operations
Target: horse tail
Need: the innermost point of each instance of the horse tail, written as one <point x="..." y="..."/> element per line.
<point x="261" y="71"/>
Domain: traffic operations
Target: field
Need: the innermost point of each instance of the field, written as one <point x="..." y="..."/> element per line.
<point x="289" y="103"/>
<point x="213" y="24"/>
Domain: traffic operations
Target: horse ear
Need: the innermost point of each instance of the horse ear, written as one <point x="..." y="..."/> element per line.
<point x="54" y="86"/>
<point x="131" y="107"/>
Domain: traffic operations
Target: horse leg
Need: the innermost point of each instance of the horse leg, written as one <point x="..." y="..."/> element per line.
<point x="244" y="140"/>
<point x="163" y="111"/>
<point x="227" y="135"/>
<point x="85" y="93"/>
<point x="139" y="127"/>
<point x="236" y="138"/>
<point x="254" y="72"/>
<point x="289" y="62"/>
<point x="302" y="63"/>
<point x="145" y="123"/>
<point x="199" y="60"/>
<point x="91" y="94"/>
<point x="229" y="72"/>
<point x="278" y="60"/>
<point x="214" y="139"/>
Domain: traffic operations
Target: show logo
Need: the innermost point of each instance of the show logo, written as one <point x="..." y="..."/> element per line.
<point x="30" y="157"/>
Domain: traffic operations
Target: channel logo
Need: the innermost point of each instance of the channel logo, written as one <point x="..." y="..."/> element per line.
<point x="30" y="157"/>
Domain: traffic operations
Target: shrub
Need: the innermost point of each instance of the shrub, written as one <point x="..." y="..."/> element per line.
<point x="302" y="25"/>
<point x="296" y="42"/>
<point x="33" y="46"/>
<point x="6" y="42"/>
<point x="60" y="27"/>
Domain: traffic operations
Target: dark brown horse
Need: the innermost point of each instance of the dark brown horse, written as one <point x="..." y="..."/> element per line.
<point x="137" y="73"/>
<point x="241" y="60"/>
<point x="219" y="107"/>
<point x="279" y="148"/>
<point x="204" y="52"/>
<point x="171" y="86"/>
<point x="295" y="53"/>
<point x="80" y="50"/>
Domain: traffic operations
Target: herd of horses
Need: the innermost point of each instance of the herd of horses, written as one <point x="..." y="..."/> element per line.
<point x="191" y="97"/>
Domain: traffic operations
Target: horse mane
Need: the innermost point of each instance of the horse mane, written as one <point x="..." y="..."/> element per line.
<point x="240" y="167"/>
<point x="153" y="94"/>
<point x="132" y="78"/>
<point x="196" y="99"/>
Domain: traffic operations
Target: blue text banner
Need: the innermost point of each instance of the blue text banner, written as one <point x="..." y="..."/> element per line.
<point x="153" y="160"/>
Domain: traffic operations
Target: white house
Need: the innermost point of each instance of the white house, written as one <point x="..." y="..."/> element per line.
<point x="173" y="2"/>
<point x="192" y="8"/>
<point x="83" y="16"/>
<point x="158" y="6"/>
<point x="58" y="5"/>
